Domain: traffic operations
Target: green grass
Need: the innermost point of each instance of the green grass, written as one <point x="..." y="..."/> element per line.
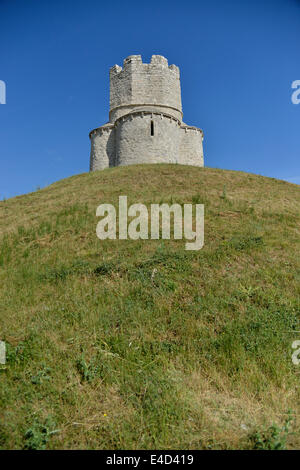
<point x="142" y="344"/>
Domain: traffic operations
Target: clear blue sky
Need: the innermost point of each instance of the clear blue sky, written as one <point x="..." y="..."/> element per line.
<point x="237" y="58"/>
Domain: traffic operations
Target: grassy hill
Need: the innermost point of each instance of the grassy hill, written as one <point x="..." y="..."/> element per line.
<point x="142" y="344"/>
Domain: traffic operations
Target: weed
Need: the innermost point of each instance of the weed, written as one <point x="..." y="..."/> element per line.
<point x="273" y="438"/>
<point x="38" y="435"/>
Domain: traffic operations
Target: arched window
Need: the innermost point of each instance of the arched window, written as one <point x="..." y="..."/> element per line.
<point x="152" y="128"/>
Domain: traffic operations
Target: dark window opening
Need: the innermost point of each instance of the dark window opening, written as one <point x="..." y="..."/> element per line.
<point x="152" y="128"/>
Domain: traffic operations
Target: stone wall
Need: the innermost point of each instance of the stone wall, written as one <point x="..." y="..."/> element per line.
<point x="135" y="144"/>
<point x="191" y="148"/>
<point x="102" y="148"/>
<point x="130" y="141"/>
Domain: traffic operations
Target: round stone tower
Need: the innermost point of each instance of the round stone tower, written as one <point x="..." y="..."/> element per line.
<point x="145" y="119"/>
<point x="155" y="85"/>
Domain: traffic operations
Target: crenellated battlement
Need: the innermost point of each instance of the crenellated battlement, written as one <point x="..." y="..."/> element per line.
<point x="133" y="62"/>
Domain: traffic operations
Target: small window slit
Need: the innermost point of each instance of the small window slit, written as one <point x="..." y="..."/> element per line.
<point x="152" y="128"/>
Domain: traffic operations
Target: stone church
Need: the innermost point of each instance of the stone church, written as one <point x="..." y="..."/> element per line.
<point x="145" y="119"/>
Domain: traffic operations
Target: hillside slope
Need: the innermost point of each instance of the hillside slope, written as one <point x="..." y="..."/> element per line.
<point x="142" y="344"/>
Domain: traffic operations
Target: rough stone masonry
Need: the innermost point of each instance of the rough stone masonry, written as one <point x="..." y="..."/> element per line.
<point x="145" y="119"/>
